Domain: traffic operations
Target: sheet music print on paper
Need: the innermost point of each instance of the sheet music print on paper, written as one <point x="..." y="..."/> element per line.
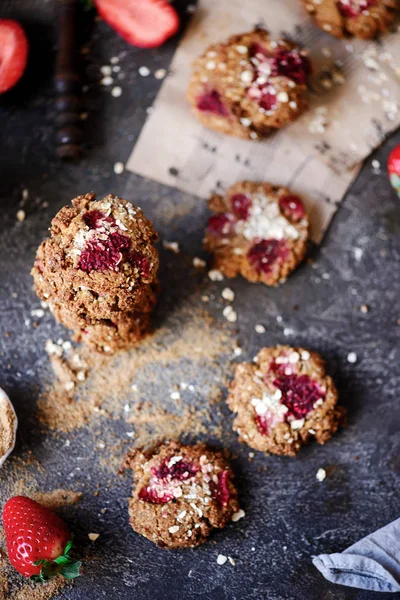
<point x="318" y="156"/>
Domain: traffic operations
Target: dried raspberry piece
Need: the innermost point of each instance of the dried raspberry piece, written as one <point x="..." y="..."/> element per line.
<point x="354" y="8"/>
<point x="292" y="207"/>
<point x="220" y="224"/>
<point x="291" y="64"/>
<point x="95" y="219"/>
<point x="299" y="394"/>
<point x="100" y="255"/>
<point x="141" y="262"/>
<point x="265" y="253"/>
<point x="220" y="490"/>
<point x="154" y="496"/>
<point x="171" y="470"/>
<point x="241" y="205"/>
<point x="268" y="99"/>
<point x="211" y="102"/>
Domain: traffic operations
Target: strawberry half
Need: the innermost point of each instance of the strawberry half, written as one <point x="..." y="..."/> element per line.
<point x="13" y="53"/>
<point x="38" y="541"/>
<point x="143" y="23"/>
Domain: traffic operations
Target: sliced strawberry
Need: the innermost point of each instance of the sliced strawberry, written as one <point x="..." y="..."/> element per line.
<point x="13" y="53"/>
<point x="38" y="541"/>
<point x="143" y="23"/>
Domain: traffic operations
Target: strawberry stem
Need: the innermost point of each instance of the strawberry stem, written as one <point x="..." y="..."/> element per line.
<point x="62" y="565"/>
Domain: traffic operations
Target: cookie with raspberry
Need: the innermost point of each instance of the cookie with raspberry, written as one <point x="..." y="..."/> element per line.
<point x="181" y="493"/>
<point x="364" y="19"/>
<point x="249" y="85"/>
<point x="259" y="231"/>
<point x="99" y="268"/>
<point x="284" y="399"/>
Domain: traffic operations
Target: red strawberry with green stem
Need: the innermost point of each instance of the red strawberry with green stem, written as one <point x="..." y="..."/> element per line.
<point x="38" y="541"/>
<point x="143" y="23"/>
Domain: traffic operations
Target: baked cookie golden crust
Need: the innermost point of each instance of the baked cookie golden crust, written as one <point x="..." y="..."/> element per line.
<point x="250" y="85"/>
<point x="259" y="231"/>
<point x="284" y="399"/>
<point x="98" y="271"/>
<point x="365" y="19"/>
<point x="181" y="493"/>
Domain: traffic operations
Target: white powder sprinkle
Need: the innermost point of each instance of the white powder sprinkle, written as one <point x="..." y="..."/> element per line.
<point x="221" y="559"/>
<point x="358" y="252"/>
<point x="175" y="395"/>
<point x="237" y="351"/>
<point x="321" y="474"/>
<point x="37" y="312"/>
<point x="352" y="357"/>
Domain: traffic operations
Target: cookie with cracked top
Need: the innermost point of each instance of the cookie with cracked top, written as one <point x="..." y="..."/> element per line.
<point x="284" y="399"/>
<point x="249" y="85"/>
<point x="258" y="230"/>
<point x="364" y="19"/>
<point x="181" y="493"/>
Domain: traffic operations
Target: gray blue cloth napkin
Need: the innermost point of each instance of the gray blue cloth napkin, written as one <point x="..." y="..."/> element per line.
<point x="373" y="563"/>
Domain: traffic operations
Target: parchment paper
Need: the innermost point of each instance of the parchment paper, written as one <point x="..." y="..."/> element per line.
<point x="319" y="155"/>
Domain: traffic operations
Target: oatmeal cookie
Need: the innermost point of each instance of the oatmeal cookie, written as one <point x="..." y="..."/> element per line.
<point x="284" y="399"/>
<point x="259" y="231"/>
<point x="181" y="493"/>
<point x="98" y="270"/>
<point x="365" y="19"/>
<point x="250" y="85"/>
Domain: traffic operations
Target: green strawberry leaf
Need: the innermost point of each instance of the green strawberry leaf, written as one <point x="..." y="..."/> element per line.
<point x="62" y="565"/>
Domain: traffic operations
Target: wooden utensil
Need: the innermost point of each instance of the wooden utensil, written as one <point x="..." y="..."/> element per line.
<point x="67" y="84"/>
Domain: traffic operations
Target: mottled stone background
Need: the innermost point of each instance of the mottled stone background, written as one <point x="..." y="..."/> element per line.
<point x="290" y="516"/>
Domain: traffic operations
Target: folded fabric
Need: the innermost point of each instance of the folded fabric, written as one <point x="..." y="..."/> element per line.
<point x="373" y="563"/>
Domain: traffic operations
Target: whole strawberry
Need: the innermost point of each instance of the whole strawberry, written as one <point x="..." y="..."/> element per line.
<point x="38" y="541"/>
<point x="394" y="168"/>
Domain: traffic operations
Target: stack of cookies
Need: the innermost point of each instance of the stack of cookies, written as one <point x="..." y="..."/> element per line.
<point x="98" y="271"/>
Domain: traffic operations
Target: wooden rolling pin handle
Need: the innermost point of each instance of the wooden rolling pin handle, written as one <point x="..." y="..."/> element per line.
<point x="67" y="85"/>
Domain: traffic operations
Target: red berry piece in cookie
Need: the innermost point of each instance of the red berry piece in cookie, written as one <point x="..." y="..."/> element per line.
<point x="258" y="230"/>
<point x="283" y="399"/>
<point x="38" y="541"/>
<point x="181" y="493"/>
<point x="98" y="271"/>
<point x="249" y="85"/>
<point x="365" y="19"/>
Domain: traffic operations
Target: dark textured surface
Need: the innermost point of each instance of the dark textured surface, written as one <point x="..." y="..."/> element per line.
<point x="290" y="516"/>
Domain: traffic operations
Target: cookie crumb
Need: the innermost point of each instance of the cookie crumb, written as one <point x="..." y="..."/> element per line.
<point x="321" y="474"/>
<point x="259" y="328"/>
<point x="199" y="262"/>
<point x="93" y="536"/>
<point x="144" y="71"/>
<point x="215" y="275"/>
<point x="118" y="168"/>
<point x="221" y="559"/>
<point x="21" y="215"/>
<point x="229" y="314"/>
